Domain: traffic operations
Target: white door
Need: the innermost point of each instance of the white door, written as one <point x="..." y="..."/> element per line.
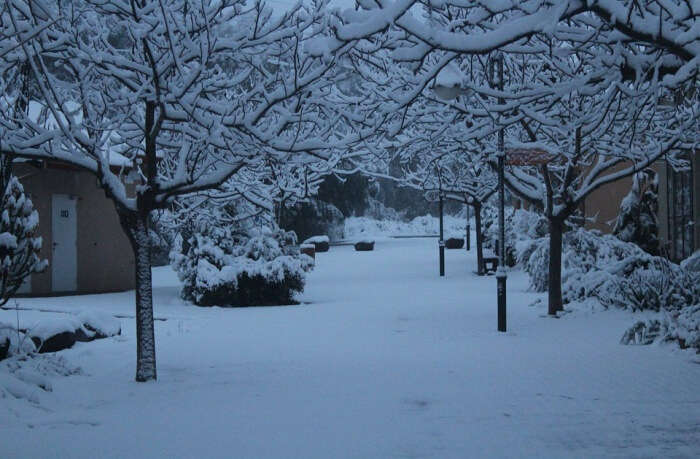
<point x="64" y="228"/>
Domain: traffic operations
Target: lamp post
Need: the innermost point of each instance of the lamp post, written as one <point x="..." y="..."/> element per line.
<point x="447" y="87"/>
<point x="469" y="237"/>
<point x="441" y="242"/>
<point x="501" y="275"/>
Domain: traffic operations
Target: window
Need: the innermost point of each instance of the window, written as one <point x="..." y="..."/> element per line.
<point x="679" y="195"/>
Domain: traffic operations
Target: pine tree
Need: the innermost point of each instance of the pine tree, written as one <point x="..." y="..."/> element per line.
<point x="19" y="244"/>
<point x="637" y="221"/>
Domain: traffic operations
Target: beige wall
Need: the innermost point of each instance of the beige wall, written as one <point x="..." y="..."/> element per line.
<point x="105" y="260"/>
<point x="603" y="204"/>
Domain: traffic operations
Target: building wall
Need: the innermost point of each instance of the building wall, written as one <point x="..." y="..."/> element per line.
<point x="104" y="256"/>
<point x="603" y="205"/>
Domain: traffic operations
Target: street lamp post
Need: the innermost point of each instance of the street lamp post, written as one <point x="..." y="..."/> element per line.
<point x="441" y="242"/>
<point x="501" y="275"/>
<point x="469" y="237"/>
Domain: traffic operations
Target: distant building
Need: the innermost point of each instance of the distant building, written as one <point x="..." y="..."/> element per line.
<point x="87" y="250"/>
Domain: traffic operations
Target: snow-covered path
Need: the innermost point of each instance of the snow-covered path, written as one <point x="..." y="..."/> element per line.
<point x="383" y="359"/>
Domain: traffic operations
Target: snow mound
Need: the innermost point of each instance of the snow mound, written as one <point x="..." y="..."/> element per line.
<point x="28" y="377"/>
<point x="100" y="323"/>
<point x="19" y="342"/>
<point x="46" y="328"/>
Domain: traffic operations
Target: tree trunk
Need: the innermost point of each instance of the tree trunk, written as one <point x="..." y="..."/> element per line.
<point x="479" y="240"/>
<point x="556" y="230"/>
<point x="135" y="224"/>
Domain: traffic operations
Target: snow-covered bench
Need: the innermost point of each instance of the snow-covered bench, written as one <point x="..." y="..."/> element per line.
<point x="321" y="243"/>
<point x="454" y="242"/>
<point x="364" y="245"/>
<point x="308" y="249"/>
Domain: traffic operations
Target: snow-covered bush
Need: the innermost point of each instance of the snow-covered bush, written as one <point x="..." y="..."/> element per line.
<point x="521" y="227"/>
<point x="217" y="267"/>
<point x="162" y="234"/>
<point x="14" y="342"/>
<point x="28" y="376"/>
<point x="681" y="327"/>
<point x="692" y="263"/>
<point x="582" y="252"/>
<point x="615" y="273"/>
<point x="19" y="244"/>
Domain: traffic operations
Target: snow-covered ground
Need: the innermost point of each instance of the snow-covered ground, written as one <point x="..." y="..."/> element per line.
<point x="382" y="359"/>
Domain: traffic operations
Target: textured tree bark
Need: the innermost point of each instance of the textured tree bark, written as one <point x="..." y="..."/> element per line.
<point x="135" y="224"/>
<point x="556" y="230"/>
<point x="479" y="240"/>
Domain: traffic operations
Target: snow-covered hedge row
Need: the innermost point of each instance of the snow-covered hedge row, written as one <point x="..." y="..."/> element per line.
<point x="217" y="267"/>
<point x="361" y="227"/>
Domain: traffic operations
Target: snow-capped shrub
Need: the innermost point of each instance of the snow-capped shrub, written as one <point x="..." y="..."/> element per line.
<point x="681" y="327"/>
<point x="19" y="244"/>
<point x="28" y="376"/>
<point x="219" y="268"/>
<point x="19" y="342"/>
<point x="534" y="257"/>
<point x="615" y="273"/>
<point x="692" y="263"/>
<point x="161" y="234"/>
<point x="582" y="251"/>
<point x="521" y="227"/>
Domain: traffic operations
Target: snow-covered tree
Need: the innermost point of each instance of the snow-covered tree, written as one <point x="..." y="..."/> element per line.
<point x="436" y="161"/>
<point x="637" y="221"/>
<point x="664" y="31"/>
<point x="183" y="97"/>
<point x="19" y="243"/>
<point x="582" y="100"/>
